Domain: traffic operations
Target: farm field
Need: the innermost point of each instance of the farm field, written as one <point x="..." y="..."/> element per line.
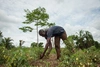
<point x="29" y="57"/>
<point x="34" y="29"/>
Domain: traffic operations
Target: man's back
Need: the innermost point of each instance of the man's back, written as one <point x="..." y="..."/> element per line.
<point x="54" y="31"/>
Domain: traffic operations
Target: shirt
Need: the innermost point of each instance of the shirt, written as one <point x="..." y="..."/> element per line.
<point x="54" y="31"/>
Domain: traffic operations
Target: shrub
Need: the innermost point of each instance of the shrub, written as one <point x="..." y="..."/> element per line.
<point x="82" y="58"/>
<point x="3" y="55"/>
<point x="17" y="58"/>
<point x="21" y="56"/>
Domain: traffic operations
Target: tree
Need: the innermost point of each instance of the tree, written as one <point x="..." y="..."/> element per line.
<point x="40" y="44"/>
<point x="97" y="44"/>
<point x="34" y="44"/>
<point x="38" y="16"/>
<point x="7" y="42"/>
<point x="1" y="36"/>
<point x="21" y="42"/>
<point x="84" y="39"/>
<point x="89" y="41"/>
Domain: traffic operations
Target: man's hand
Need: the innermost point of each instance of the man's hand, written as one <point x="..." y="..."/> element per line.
<point x="41" y="56"/>
<point x="46" y="47"/>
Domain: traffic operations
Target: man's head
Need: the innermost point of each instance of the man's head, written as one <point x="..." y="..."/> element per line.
<point x="42" y="32"/>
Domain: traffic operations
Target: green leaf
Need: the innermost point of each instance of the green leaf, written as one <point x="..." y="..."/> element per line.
<point x="37" y="15"/>
<point x="26" y="28"/>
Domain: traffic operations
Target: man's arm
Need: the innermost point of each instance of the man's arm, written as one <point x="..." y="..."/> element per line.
<point x="46" y="47"/>
<point x="50" y="47"/>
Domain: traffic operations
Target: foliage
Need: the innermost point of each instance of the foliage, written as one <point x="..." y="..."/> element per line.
<point x="69" y="46"/>
<point x="39" y="16"/>
<point x="83" y="39"/>
<point x="81" y="58"/>
<point x="17" y="58"/>
<point x="21" y="42"/>
<point x="50" y="24"/>
<point x="74" y="54"/>
<point x="7" y="42"/>
<point x="40" y="44"/>
<point x="1" y="34"/>
<point x="3" y="55"/>
<point x="20" y="56"/>
<point x="71" y="56"/>
<point x="34" y="44"/>
<point x="97" y="44"/>
<point x="26" y="28"/>
<point x="0" y="37"/>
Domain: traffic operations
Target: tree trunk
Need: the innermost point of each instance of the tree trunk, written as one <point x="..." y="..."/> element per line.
<point x="37" y="36"/>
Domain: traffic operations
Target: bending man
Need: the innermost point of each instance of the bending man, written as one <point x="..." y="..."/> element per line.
<point x="58" y="33"/>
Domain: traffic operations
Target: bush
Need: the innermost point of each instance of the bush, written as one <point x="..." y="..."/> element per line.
<point x="17" y="58"/>
<point x="3" y="55"/>
<point x="34" y="44"/>
<point x="21" y="56"/>
<point x="82" y="58"/>
<point x="94" y="54"/>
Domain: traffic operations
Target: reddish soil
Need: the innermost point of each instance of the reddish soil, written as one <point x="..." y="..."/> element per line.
<point x="51" y="61"/>
<point x="1" y="65"/>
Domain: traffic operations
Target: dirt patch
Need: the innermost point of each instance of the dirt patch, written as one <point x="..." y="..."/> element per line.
<point x="51" y="61"/>
<point x="1" y="65"/>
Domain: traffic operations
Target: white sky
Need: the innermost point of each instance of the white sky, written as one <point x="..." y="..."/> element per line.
<point x="73" y="15"/>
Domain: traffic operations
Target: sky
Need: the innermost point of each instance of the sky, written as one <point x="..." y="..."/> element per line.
<point x="72" y="15"/>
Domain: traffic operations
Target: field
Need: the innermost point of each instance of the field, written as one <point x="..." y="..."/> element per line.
<point x="29" y="57"/>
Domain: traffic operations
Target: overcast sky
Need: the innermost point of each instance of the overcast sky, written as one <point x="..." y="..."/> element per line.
<point x="73" y="15"/>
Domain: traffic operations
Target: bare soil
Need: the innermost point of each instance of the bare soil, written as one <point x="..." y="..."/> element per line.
<point x="50" y="61"/>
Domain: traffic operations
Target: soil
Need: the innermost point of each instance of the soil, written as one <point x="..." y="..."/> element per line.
<point x="50" y="61"/>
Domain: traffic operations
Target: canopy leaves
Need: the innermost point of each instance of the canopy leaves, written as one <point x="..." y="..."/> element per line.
<point x="37" y="16"/>
<point x="26" y="28"/>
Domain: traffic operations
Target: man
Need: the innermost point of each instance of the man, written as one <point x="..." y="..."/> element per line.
<point x="58" y="33"/>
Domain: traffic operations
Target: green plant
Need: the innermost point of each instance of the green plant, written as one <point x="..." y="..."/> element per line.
<point x="81" y="58"/>
<point x="94" y="55"/>
<point x="7" y="42"/>
<point x="3" y="55"/>
<point x="83" y="39"/>
<point x="17" y="58"/>
<point x="34" y="44"/>
<point x="21" y="56"/>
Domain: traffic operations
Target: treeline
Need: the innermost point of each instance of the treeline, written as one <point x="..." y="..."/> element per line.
<point x="83" y="39"/>
<point x="7" y="42"/>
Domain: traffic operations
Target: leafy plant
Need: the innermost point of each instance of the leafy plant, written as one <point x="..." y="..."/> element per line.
<point x="3" y="55"/>
<point x="17" y="59"/>
<point x="82" y="58"/>
<point x="7" y="42"/>
<point x="21" y="56"/>
<point x="34" y="44"/>
<point x="83" y="39"/>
